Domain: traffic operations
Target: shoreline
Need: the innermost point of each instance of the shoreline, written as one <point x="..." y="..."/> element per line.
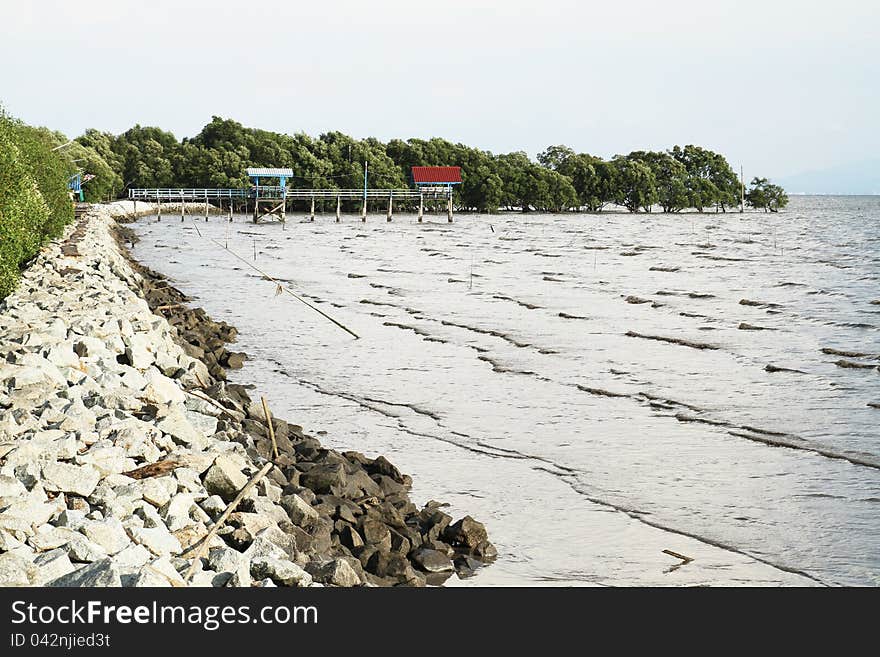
<point x="318" y="516"/>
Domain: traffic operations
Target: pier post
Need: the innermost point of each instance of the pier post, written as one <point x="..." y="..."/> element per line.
<point x="449" y="210"/>
<point x="158" y="209"/>
<point x="182" y="209"/>
<point x="390" y="206"/>
<point x="338" y="208"/>
<point x="206" y="207"/>
<point x="312" y="213"/>
<point x="421" y="206"/>
<point x="230" y="209"/>
<point x="135" y="207"/>
<point x="364" y="215"/>
<point x="256" y="208"/>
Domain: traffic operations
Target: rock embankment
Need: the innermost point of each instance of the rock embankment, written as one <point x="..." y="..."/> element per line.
<point x="121" y="446"/>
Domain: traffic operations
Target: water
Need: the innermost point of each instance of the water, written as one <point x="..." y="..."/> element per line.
<point x="494" y="366"/>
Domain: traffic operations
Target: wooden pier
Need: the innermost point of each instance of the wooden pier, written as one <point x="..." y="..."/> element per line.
<point x="432" y="184"/>
<point x="271" y="200"/>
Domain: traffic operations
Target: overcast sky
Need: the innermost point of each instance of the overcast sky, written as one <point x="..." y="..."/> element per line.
<point x="778" y="86"/>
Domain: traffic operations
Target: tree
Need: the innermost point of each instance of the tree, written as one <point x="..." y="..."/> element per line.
<point x="670" y="176"/>
<point x="764" y="194"/>
<point x="636" y="185"/>
<point x="710" y="179"/>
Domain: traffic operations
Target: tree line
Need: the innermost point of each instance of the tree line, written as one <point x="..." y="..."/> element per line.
<point x="688" y="177"/>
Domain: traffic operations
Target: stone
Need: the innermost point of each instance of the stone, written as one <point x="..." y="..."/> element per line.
<point x="263" y="547"/>
<point x="16" y="570"/>
<point x="225" y="478"/>
<point x="52" y="565"/>
<point x="157" y="540"/>
<point x="207" y="424"/>
<point x="158" y="490"/>
<point x="299" y="511"/>
<point x="177" y="512"/>
<point x="107" y="459"/>
<point x="68" y="478"/>
<point x="432" y="561"/>
<point x="225" y="559"/>
<point x="108" y="533"/>
<point x="71" y="518"/>
<point x="158" y="573"/>
<point x="375" y="532"/>
<point x="213" y="506"/>
<point x="235" y="360"/>
<point x="132" y="558"/>
<point x="48" y="537"/>
<point x="281" y="572"/>
<point x="325" y="478"/>
<point x="83" y="550"/>
<point x="162" y="390"/>
<point x="175" y="424"/>
<point x="138" y="352"/>
<point x="11" y="487"/>
<point x="100" y="573"/>
<point x="338" y="573"/>
<point x="466" y="533"/>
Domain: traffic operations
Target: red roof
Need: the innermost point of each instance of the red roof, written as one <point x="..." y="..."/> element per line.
<point x="436" y="175"/>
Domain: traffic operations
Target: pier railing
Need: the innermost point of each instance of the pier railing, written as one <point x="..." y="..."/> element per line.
<point x="274" y="192"/>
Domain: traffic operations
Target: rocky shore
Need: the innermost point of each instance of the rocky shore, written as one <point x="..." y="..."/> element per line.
<point x="124" y="452"/>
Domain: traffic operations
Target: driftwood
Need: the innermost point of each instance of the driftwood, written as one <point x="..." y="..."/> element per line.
<point x="154" y="469"/>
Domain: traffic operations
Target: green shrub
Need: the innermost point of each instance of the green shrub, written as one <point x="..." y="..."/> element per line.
<point x="34" y="203"/>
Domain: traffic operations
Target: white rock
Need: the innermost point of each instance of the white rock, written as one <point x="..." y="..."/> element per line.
<point x="108" y="533"/>
<point x="157" y="540"/>
<point x="100" y="573"/>
<point x="82" y="549"/>
<point x="158" y="490"/>
<point x="52" y="565"/>
<point x="225" y="478"/>
<point x="68" y="478"/>
<point x="16" y="570"/>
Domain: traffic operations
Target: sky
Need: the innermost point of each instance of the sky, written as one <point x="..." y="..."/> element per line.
<point x="780" y="87"/>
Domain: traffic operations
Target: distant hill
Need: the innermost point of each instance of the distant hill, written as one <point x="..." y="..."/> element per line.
<point x="851" y="178"/>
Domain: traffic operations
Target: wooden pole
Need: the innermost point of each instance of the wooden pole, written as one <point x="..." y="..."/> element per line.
<point x="421" y="206"/>
<point x="364" y="215"/>
<point x="206" y="206"/>
<point x="269" y="426"/>
<point x="312" y="214"/>
<point x="449" y="208"/>
<point x="158" y="209"/>
<point x="182" y="208"/>
<point x="203" y="544"/>
<point x="338" y="208"/>
<point x="390" y="206"/>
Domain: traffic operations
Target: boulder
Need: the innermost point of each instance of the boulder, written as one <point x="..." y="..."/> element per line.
<point x="337" y="572"/>
<point x="17" y="571"/>
<point x="282" y="572"/>
<point x="225" y="477"/>
<point x="52" y="565"/>
<point x="68" y="478"/>
<point x="432" y="561"/>
<point x="100" y="573"/>
<point x="157" y="540"/>
<point x="467" y="533"/>
<point x="299" y="511"/>
<point x="108" y="533"/>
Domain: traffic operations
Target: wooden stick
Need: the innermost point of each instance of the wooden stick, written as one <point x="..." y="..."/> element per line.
<point x="286" y="289"/>
<point x="269" y="425"/>
<point x="203" y="544"/>
<point x="685" y="559"/>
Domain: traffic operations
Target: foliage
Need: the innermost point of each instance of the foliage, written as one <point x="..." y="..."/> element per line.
<point x="764" y="194"/>
<point x="34" y="200"/>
